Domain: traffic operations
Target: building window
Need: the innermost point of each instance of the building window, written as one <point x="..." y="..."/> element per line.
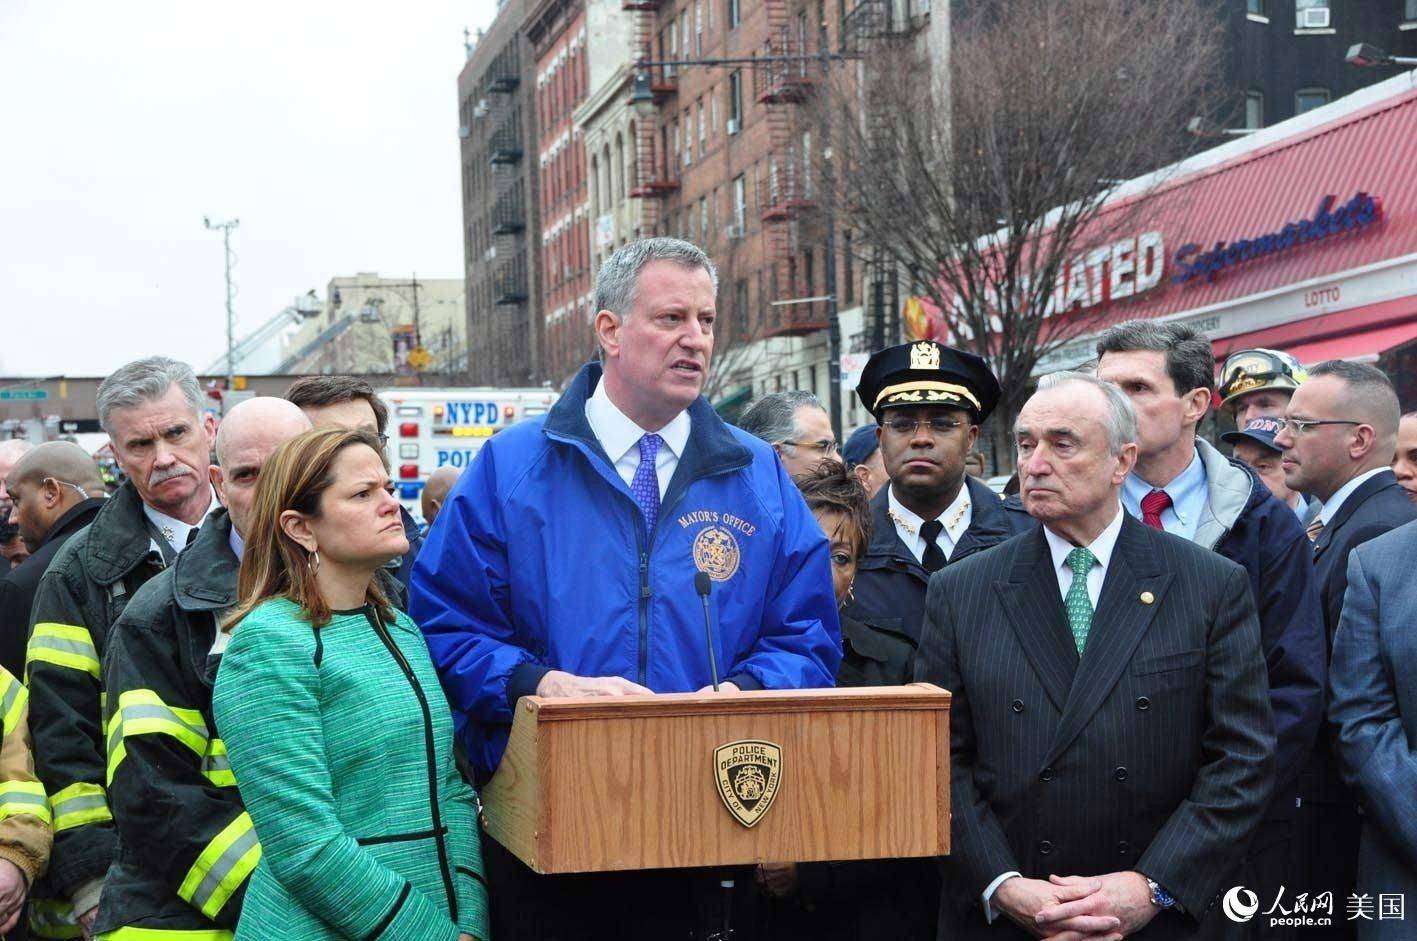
<point x="735" y="102"/>
<point x="703" y="132"/>
<point x="1410" y="10"/>
<point x="734" y="14"/>
<point x="673" y="48"/>
<point x="1254" y="108"/>
<point x="740" y="203"/>
<point x="1307" y="99"/>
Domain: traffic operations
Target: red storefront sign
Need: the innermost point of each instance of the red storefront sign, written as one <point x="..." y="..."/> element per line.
<point x="1262" y="237"/>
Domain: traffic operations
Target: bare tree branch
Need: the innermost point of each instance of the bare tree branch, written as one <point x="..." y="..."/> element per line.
<point x="995" y="203"/>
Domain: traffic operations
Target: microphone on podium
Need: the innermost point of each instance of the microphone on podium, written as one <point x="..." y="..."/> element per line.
<point x="704" y="585"/>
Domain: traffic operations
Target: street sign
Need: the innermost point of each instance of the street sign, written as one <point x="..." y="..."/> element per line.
<point x="419" y="358"/>
<point x="23" y="395"/>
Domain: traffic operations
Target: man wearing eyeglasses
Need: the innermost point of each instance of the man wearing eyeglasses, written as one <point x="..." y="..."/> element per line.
<point x="55" y="491"/>
<point x="1339" y="435"/>
<point x="797" y="427"/>
<point x="929" y="401"/>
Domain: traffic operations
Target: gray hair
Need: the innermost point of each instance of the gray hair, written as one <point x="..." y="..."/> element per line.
<point x="1190" y="358"/>
<point x="616" y="281"/>
<point x="1121" y="424"/>
<point x="142" y="381"/>
<point x="773" y="418"/>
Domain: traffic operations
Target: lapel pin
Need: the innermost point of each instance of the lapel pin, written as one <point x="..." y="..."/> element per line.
<point x="1147" y="597"/>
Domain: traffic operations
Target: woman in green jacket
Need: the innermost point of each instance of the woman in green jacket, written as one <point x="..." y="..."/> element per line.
<point x="335" y="725"/>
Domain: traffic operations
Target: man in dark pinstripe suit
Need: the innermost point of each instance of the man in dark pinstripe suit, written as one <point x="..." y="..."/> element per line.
<point x="1111" y="733"/>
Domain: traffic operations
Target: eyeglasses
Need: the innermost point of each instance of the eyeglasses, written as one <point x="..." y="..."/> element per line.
<point x="1301" y="426"/>
<point x="908" y="426"/>
<point x="829" y="448"/>
<point x="383" y="440"/>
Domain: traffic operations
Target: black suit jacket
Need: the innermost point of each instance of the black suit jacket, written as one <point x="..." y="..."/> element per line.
<point x="888" y="594"/>
<point x="17" y="588"/>
<point x="1153" y="752"/>
<point x="1378" y="505"/>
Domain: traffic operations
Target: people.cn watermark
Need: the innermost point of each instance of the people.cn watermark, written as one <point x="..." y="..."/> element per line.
<point x="1312" y="909"/>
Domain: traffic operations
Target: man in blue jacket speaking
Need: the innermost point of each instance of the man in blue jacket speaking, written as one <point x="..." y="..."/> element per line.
<point x="564" y="560"/>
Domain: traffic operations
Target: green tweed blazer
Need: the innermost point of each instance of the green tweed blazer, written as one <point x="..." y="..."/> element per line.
<point x="342" y="746"/>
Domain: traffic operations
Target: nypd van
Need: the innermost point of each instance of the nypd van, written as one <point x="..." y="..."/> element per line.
<point x="433" y="428"/>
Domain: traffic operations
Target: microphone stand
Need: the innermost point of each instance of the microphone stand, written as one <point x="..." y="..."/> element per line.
<point x="704" y="586"/>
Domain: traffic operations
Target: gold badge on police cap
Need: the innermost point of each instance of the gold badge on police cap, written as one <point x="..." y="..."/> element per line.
<point x="747" y="774"/>
<point x="716" y="553"/>
<point x="924" y="355"/>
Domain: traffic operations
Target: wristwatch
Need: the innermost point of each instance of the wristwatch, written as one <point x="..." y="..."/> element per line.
<point x="1159" y="896"/>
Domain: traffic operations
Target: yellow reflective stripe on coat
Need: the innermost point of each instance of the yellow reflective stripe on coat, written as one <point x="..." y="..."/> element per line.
<point x="165" y="934"/>
<point x="142" y="712"/>
<point x="53" y="918"/>
<point x="65" y="645"/>
<point x="13" y="697"/>
<point x="224" y="864"/>
<point x="216" y="766"/>
<point x="24" y="797"/>
<point x="79" y="804"/>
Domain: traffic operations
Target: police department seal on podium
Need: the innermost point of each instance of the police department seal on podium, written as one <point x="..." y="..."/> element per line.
<point x="716" y="553"/>
<point x="747" y="774"/>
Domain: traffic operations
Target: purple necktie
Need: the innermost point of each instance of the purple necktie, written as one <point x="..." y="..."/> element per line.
<point x="645" y="486"/>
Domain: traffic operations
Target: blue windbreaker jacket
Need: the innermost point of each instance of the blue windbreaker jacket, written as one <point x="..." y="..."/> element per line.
<point x="539" y="561"/>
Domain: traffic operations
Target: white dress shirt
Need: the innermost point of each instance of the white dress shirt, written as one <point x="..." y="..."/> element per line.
<point x="620" y="437"/>
<point x="1333" y="503"/>
<point x="1101" y="549"/>
<point x="1059" y="548"/>
<point x="953" y="521"/>
<point x="173" y="529"/>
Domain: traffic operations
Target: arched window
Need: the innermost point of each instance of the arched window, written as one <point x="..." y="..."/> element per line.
<point x="595" y="193"/>
<point x="632" y="168"/>
<point x="619" y="167"/>
<point x="610" y="197"/>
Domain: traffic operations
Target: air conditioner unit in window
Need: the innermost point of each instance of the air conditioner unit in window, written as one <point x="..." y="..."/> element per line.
<point x="1315" y="18"/>
<point x="733" y="126"/>
<point x="733" y="232"/>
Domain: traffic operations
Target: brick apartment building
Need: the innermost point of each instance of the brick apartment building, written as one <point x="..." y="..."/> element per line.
<point x="557" y="31"/>
<point x="501" y="211"/>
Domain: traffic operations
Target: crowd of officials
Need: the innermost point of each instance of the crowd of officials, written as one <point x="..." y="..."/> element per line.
<point x="245" y="695"/>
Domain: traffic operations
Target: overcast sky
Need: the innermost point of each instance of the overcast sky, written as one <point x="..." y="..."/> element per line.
<point x="328" y="128"/>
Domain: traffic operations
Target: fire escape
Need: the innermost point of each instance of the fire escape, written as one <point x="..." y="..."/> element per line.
<point x="875" y="28"/>
<point x="655" y="177"/>
<point x="505" y="153"/>
<point x="788" y="213"/>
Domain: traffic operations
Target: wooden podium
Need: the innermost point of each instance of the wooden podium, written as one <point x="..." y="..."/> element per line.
<point x="688" y="779"/>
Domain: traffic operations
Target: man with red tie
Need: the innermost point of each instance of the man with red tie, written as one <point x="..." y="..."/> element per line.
<point x="1183" y="485"/>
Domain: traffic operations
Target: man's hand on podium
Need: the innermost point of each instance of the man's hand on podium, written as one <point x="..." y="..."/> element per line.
<point x="724" y="687"/>
<point x="559" y="683"/>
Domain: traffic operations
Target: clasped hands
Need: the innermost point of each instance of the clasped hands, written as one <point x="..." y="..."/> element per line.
<point x="558" y="683"/>
<point x="1078" y="908"/>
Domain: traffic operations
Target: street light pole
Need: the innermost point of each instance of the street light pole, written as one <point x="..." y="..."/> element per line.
<point x="829" y="197"/>
<point x="226" y="227"/>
